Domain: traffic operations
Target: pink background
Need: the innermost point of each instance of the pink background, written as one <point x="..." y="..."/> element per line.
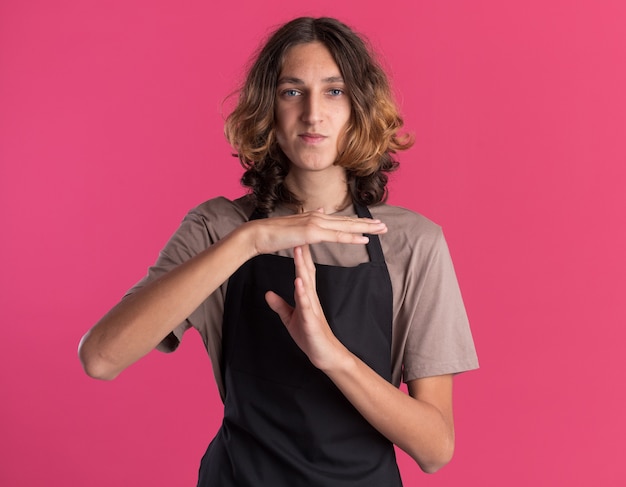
<point x="110" y="130"/>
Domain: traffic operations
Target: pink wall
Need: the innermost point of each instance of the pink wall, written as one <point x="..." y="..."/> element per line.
<point x="110" y="130"/>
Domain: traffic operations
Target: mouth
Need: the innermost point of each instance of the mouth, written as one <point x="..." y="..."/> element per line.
<point x="311" y="138"/>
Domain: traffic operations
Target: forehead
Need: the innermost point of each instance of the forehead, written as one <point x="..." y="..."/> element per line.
<point x="312" y="59"/>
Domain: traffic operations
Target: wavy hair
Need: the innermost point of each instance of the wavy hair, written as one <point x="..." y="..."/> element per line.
<point x="371" y="137"/>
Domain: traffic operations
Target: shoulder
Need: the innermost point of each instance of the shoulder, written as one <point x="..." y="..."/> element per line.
<point x="207" y="223"/>
<point x="222" y="209"/>
<point x="407" y="229"/>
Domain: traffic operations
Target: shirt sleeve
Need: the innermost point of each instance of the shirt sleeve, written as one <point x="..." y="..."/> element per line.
<point x="439" y="340"/>
<point x="191" y="238"/>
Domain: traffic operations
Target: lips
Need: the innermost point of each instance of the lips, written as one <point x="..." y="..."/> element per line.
<point x="311" y="138"/>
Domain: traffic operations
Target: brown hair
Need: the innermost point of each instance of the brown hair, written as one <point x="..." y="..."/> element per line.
<point x="370" y="139"/>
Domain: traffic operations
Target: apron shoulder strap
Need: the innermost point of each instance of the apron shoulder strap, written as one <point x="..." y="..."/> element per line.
<point x="257" y="215"/>
<point x="374" y="248"/>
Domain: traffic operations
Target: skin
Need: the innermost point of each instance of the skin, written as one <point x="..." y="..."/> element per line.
<point x="420" y="423"/>
<point x="312" y="109"/>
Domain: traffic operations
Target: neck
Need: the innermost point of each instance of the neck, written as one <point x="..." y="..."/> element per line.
<point x="317" y="190"/>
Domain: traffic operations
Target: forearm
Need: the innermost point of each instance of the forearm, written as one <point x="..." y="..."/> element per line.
<point x="418" y="427"/>
<point x="138" y="323"/>
<point x="420" y="423"/>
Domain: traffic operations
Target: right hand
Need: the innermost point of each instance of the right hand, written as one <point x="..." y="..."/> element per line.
<point x="285" y="232"/>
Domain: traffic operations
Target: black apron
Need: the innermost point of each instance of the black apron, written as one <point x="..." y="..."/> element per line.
<point x="285" y="423"/>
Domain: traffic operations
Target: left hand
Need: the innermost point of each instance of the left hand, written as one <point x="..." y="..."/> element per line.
<point x="420" y="423"/>
<point x="306" y="322"/>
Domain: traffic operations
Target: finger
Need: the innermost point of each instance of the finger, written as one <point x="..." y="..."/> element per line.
<point x="349" y="224"/>
<point x="302" y="269"/>
<point x="305" y="268"/>
<point x="343" y="237"/>
<point x="308" y="261"/>
<point x="305" y="272"/>
<point x="342" y="229"/>
<point x="279" y="306"/>
<point x="279" y="233"/>
<point x="302" y="297"/>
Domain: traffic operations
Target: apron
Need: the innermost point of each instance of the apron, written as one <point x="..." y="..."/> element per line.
<point x="285" y="423"/>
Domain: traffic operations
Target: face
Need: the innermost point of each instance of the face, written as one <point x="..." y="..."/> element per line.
<point x="312" y="108"/>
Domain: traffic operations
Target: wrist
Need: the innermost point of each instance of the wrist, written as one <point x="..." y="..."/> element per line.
<point x="342" y="362"/>
<point x="245" y="239"/>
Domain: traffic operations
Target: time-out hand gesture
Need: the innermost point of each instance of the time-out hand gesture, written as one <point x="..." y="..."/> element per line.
<point x="306" y="322"/>
<point x="286" y="232"/>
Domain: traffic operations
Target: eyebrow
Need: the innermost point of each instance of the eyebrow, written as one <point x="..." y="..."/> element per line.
<point x="297" y="81"/>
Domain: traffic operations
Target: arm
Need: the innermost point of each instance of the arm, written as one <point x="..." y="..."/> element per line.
<point x="420" y="423"/>
<point x="138" y="323"/>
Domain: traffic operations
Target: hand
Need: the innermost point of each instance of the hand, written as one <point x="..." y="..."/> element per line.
<point x="286" y="232"/>
<point x="420" y="423"/>
<point x="306" y="322"/>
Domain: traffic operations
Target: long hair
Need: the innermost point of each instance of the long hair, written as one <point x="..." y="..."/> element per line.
<point x="370" y="138"/>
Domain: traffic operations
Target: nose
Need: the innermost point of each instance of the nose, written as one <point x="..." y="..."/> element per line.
<point x="312" y="109"/>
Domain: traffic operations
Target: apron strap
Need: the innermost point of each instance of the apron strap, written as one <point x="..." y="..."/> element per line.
<point x="374" y="248"/>
<point x="257" y="215"/>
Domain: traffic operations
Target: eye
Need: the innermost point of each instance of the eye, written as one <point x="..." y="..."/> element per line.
<point x="290" y="93"/>
<point x="335" y="92"/>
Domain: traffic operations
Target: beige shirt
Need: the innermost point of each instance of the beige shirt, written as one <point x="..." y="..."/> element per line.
<point x="430" y="335"/>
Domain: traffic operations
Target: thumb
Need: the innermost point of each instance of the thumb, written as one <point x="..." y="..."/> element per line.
<point x="279" y="306"/>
